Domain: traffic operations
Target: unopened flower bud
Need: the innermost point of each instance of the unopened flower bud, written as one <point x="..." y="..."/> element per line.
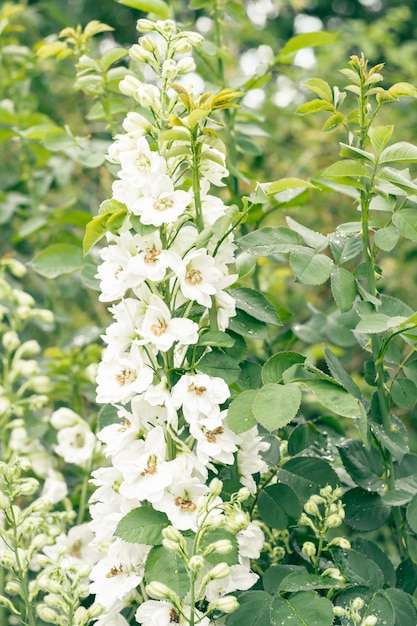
<point x="309" y="548"/>
<point x="311" y="508"/>
<point x="358" y="604"/>
<point x="326" y="491"/>
<point x="243" y="494"/>
<point x="335" y="573"/>
<point x="13" y="588"/>
<point x="221" y="570"/>
<point x="47" y="614"/>
<point x="137" y="53"/>
<point x="169" y="69"/>
<point x="172" y="546"/>
<point x="129" y="85"/>
<point x="148" y="43"/>
<point x="159" y="591"/>
<point x="23" y="312"/>
<point x="341" y="542"/>
<point x="80" y="616"/>
<point x="23" y="299"/>
<point x="333" y="521"/>
<point x="216" y="487"/>
<point x="41" y="384"/>
<point x="186" y="65"/>
<point x="29" y="348"/>
<point x="28" y="486"/>
<point x="171" y="533"/>
<point x="7" y="559"/>
<point x="339" y="611"/>
<point x="64" y="418"/>
<point x="136" y="123"/>
<point x="10" y="340"/>
<point x="144" y="25"/>
<point x="196" y="563"/>
<point x="237" y="521"/>
<point x="16" y="267"/>
<point x="95" y="610"/>
<point x="226" y="604"/>
<point x="44" y="315"/>
<point x="26" y="368"/>
<point x="167" y="26"/>
<point x="195" y="39"/>
<point x="148" y="96"/>
<point x="181" y="45"/>
<point x="371" y="620"/>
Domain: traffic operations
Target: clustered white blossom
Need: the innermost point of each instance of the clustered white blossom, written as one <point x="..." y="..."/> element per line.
<point x="164" y="287"/>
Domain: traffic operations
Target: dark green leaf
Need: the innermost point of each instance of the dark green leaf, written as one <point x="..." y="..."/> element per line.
<point x="407" y="576"/>
<point x="357" y="568"/>
<point x="216" y="363"/>
<point x="364" y="510"/>
<point x="335" y="398"/>
<point x="275" y="574"/>
<point x="254" y="610"/>
<point x="305" y="436"/>
<point x="306" y="475"/>
<point x="276" y="365"/>
<point x="364" y="466"/>
<point x="339" y="373"/>
<point x="250" y="375"/>
<point x="305" y="608"/>
<point x="255" y="304"/>
<point x="278" y="506"/>
<point x="167" y="568"/>
<point x="248" y="326"/>
<point x="216" y="338"/>
<point x="405" y="611"/>
<point x="269" y="240"/>
<point x="375" y="553"/>
<point x="412" y="514"/>
<point x="300" y="581"/>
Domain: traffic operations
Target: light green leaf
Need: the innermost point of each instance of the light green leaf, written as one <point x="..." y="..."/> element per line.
<point x="58" y="259"/>
<point x="255" y="304"/>
<point x="314" y="106"/>
<point x="333" y="122"/>
<point x="305" y="40"/>
<point x="240" y="416"/>
<point x="335" y="398"/>
<point x="347" y="167"/>
<point x="168" y="568"/>
<point x="311" y="237"/>
<point x="288" y="183"/>
<point x="254" y="610"/>
<point x="350" y="152"/>
<point x="301" y="581"/>
<point x="380" y="136"/>
<point x="400" y="152"/>
<point x="276" y="405"/>
<point x="406" y="222"/>
<point x="404" y="393"/>
<point x="158" y="7"/>
<point x="310" y="268"/>
<point x="320" y="88"/>
<point x="403" y="89"/>
<point x="305" y="608"/>
<point x="269" y="240"/>
<point x="378" y="323"/>
<point x="386" y="238"/>
<point x="216" y="338"/>
<point x="397" y="179"/>
<point x="343" y="286"/>
<point x="112" y="56"/>
<point x="142" y="525"/>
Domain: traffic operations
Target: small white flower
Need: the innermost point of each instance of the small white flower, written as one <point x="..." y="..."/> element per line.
<point x="240" y="578"/>
<point x="141" y="165"/>
<point x="76" y="444"/>
<point x="156" y="613"/>
<point x="55" y="488"/>
<point x="250" y="444"/>
<point x="215" y="441"/>
<point x="181" y="502"/>
<point x="163" y="205"/>
<point x="198" y="277"/>
<point x="119" y="379"/>
<point x="200" y="394"/>
<point x="250" y="541"/>
<point x="160" y="329"/>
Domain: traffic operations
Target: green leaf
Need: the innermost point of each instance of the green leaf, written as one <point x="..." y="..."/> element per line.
<point x="375" y="553"/>
<point x="269" y="240"/>
<point x="142" y="525"/>
<point x="404" y="393"/>
<point x="343" y="286"/>
<point x="358" y="569"/>
<point x="400" y="152"/>
<point x="407" y="576"/>
<point x="250" y="375"/>
<point x="306" y="475"/>
<point x="305" y="40"/>
<point x="240" y="416"/>
<point x="58" y="259"/>
<point x="276" y="573"/>
<point x="347" y="167"/>
<point x="216" y="363"/>
<point x="112" y="56"/>
<point x="397" y="179"/>
<point x="406" y="222"/>
<point x="365" y="511"/>
<point x="379" y="137"/>
<point x="310" y="268"/>
<point x="289" y="183"/>
<point x="403" y="89"/>
<point x="405" y="611"/>
<point x="256" y="305"/>
<point x="305" y="608"/>
<point x="378" y="323"/>
<point x="339" y="373"/>
<point x="231" y="558"/>
<point x="306" y="436"/>
<point x="335" y="398"/>
<point x="394" y="440"/>
<point x="412" y="514"/>
<point x="276" y="365"/>
<point x="333" y="122"/>
<point x="278" y="506"/>
<point x="167" y="568"/>
<point x="248" y="326"/>
<point x="300" y="581"/>
<point x="216" y="338"/>
<point x="312" y="238"/>
<point x="320" y="88"/>
<point x="363" y="466"/>
<point x="254" y="610"/>
<point x="314" y="106"/>
<point x="350" y="152"/>
<point x="276" y="405"/>
<point x="158" y="7"/>
<point x="386" y="238"/>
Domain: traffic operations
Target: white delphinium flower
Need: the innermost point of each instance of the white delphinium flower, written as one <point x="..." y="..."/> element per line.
<point x="146" y="472"/>
<point x="113" y="616"/>
<point x="250" y="541"/>
<point x="112" y="271"/>
<point x="76" y="444"/>
<point x="121" y="571"/>
<point x="124" y="142"/>
<point x="162" y="330"/>
<point x="120" y="335"/>
<point x="150" y="262"/>
<point x="200" y="394"/>
<point x="215" y="441"/>
<point x="163" y="205"/>
<point x="250" y="444"/>
<point x="76" y="543"/>
<point x="159" y="397"/>
<point x="141" y="165"/>
<point x="64" y="417"/>
<point x="119" y="379"/>
<point x="198" y="277"/>
<point x="119" y="435"/>
<point x="240" y="578"/>
<point x="225" y="309"/>
<point x="181" y="502"/>
<point x="212" y="207"/>
<point x="136" y="125"/>
<point x="162" y="613"/>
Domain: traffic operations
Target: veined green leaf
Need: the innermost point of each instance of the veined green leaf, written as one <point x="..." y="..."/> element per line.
<point x="333" y="122"/>
<point x="403" y="89"/>
<point x="343" y="285"/>
<point x="400" y="152"/>
<point x="142" y="525"/>
<point x="240" y="416"/>
<point x="406" y="222"/>
<point x="276" y="405"/>
<point x="255" y="304"/>
<point x="310" y="268"/>
<point x="320" y="88"/>
<point x="112" y="56"/>
<point x="216" y="363"/>
<point x="288" y="183"/>
<point x="158" y="7"/>
<point x="335" y="398"/>
<point x="311" y="237"/>
<point x="305" y="608"/>
<point x="386" y="238"/>
<point x="269" y="240"/>
<point x="351" y="152"/>
<point x="397" y="179"/>
<point x="57" y="259"/>
<point x="277" y="364"/>
<point x="380" y="136"/>
<point x="314" y="106"/>
<point x="304" y="40"/>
